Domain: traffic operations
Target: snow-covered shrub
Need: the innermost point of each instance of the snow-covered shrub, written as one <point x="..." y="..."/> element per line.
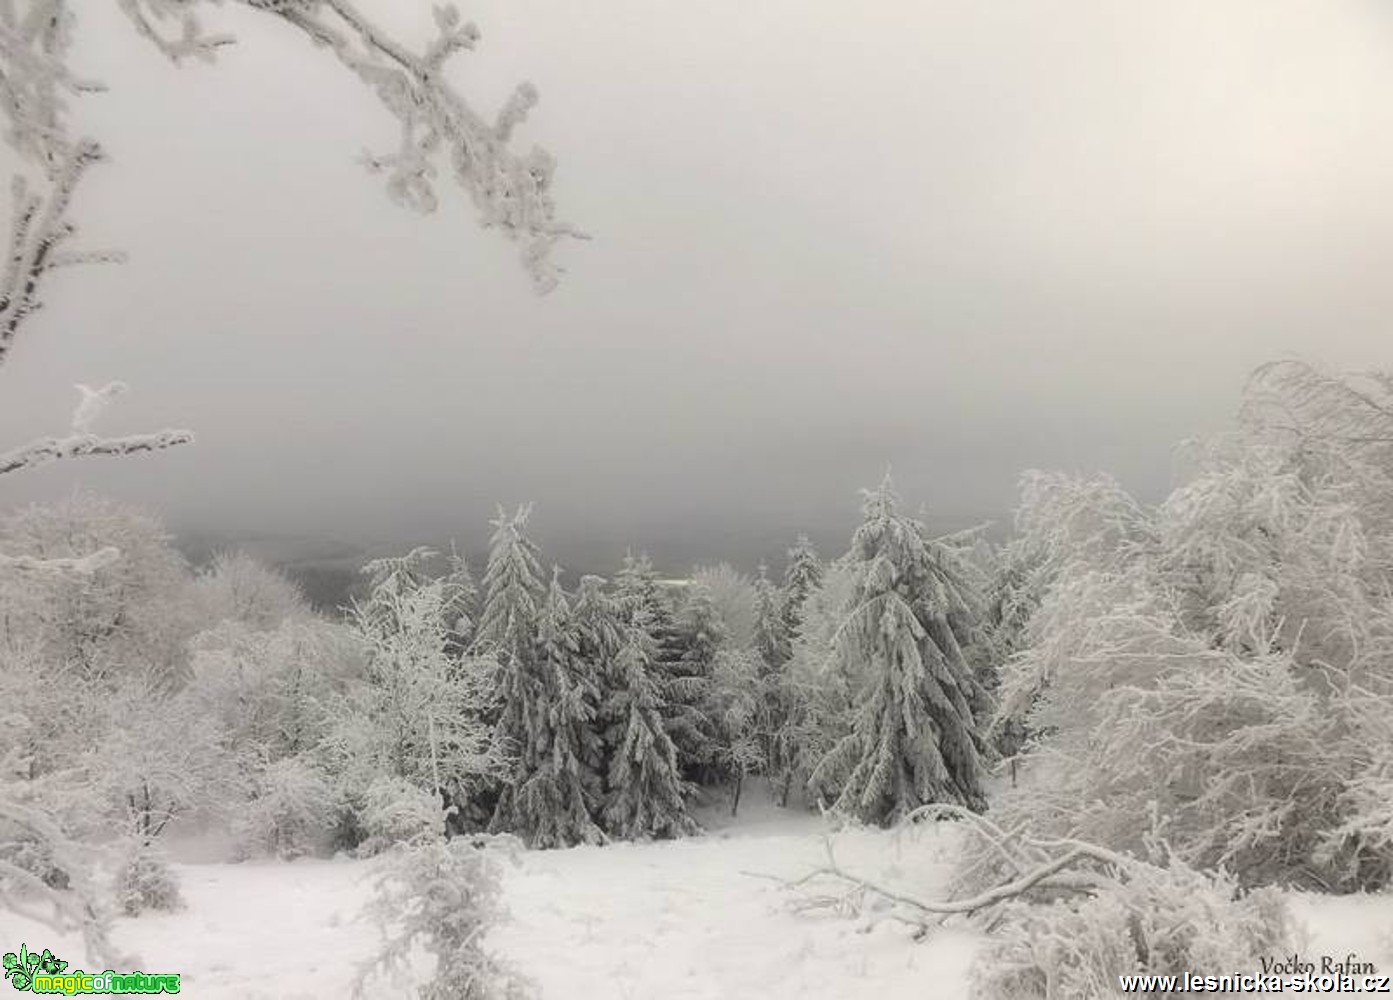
<point x="444" y="896"/>
<point x="1152" y="920"/>
<point x="395" y="811"/>
<point x="144" y="880"/>
<point x="292" y="811"/>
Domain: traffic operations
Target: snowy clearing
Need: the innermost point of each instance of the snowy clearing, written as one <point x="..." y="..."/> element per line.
<point x="675" y="920"/>
<point x="688" y="919"/>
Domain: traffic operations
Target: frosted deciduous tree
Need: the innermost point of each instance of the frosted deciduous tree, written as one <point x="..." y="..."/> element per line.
<point x="737" y="704"/>
<point x="271" y="698"/>
<point x="415" y="717"/>
<point x="816" y="690"/>
<point x="1222" y="659"/>
<point x="236" y="587"/>
<point x="915" y="737"/>
<point x="156" y="760"/>
<point x="1066" y="527"/>
<point x="121" y="615"/>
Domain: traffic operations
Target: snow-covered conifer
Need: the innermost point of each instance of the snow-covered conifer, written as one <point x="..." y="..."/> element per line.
<point x="641" y="598"/>
<point x="687" y="712"/>
<point x="513" y="591"/>
<point x="802" y="575"/>
<point x="915" y="736"/>
<point x="770" y="628"/>
<point x="461" y="604"/>
<point x="507" y="633"/>
<point x="557" y="783"/>
<point x="645" y="793"/>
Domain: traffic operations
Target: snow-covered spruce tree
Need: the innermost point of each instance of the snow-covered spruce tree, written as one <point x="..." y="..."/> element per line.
<point x="558" y="786"/>
<point x="645" y="793"/>
<point x="771" y="634"/>
<point x="599" y="623"/>
<point x="687" y="712"/>
<point x="915" y="737"/>
<point x="513" y="592"/>
<point x="461" y="604"/>
<point x="507" y="634"/>
<point x="644" y="604"/>
<point x="802" y="575"/>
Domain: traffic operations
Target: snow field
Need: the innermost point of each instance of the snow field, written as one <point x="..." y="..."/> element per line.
<point x="692" y="919"/>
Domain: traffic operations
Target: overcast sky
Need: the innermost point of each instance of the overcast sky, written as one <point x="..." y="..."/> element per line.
<point x="959" y="239"/>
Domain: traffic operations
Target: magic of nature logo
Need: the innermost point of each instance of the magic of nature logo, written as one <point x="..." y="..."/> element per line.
<point x="45" y="972"/>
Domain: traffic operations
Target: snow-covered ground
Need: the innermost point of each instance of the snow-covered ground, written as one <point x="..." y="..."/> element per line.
<point x="685" y="920"/>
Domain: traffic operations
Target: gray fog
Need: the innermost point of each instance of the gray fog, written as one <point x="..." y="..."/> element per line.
<point x="956" y="239"/>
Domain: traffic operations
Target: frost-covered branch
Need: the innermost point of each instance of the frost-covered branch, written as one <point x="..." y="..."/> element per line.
<point x="82" y="442"/>
<point x="438" y="125"/>
<point x="80" y="445"/>
<point x="39" y="232"/>
<point x="24" y="892"/>
<point x="84" y="566"/>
